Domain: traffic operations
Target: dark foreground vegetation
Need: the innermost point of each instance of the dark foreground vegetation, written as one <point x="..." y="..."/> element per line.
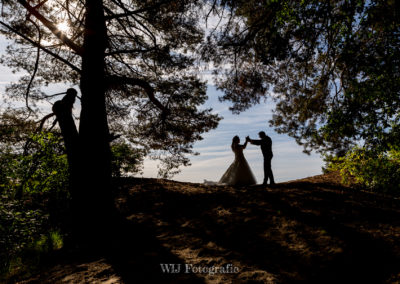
<point x="314" y="230"/>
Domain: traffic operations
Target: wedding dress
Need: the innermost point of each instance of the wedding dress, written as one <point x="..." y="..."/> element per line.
<point x="239" y="172"/>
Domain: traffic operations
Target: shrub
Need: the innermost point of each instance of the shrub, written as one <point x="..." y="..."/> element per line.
<point x="33" y="197"/>
<point x="126" y="159"/>
<point x="44" y="168"/>
<point x="377" y="171"/>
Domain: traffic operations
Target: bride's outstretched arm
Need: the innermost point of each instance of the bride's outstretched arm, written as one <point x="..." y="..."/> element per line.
<point x="245" y="144"/>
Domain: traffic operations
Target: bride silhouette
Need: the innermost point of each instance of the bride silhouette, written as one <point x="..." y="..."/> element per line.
<point x="239" y="172"/>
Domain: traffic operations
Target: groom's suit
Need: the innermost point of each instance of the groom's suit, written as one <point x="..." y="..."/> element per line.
<point x="266" y="147"/>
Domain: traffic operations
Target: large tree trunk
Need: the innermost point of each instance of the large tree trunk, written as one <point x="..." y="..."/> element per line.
<point x="89" y="155"/>
<point x="95" y="156"/>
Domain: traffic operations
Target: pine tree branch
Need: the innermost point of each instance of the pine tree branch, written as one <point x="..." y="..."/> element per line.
<point x="52" y="27"/>
<point x="43" y="120"/>
<point x="125" y="51"/>
<point x="41" y="47"/>
<point x="35" y="69"/>
<point x="132" y="13"/>
<point x="143" y="84"/>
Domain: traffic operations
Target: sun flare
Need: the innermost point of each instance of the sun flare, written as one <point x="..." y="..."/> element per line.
<point x="63" y="27"/>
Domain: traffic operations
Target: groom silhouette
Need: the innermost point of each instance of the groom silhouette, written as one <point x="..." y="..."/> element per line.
<point x="266" y="147"/>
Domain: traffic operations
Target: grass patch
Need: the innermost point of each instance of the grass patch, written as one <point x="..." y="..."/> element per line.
<point x="28" y="261"/>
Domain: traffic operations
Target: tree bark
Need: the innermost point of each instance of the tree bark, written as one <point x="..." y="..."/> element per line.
<point x="94" y="178"/>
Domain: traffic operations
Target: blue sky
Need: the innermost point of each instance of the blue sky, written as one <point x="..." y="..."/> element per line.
<point x="289" y="161"/>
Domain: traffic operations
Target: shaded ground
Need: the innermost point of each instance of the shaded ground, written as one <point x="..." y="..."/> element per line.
<point x="312" y="230"/>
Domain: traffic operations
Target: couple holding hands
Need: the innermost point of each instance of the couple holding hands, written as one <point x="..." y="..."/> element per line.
<point x="239" y="172"/>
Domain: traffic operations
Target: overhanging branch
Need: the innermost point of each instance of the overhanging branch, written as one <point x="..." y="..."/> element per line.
<point x="52" y="27"/>
<point x="128" y="13"/>
<point x="43" y="120"/>
<point x="143" y="84"/>
<point x="41" y="47"/>
<point x="125" y="51"/>
<point x="35" y="69"/>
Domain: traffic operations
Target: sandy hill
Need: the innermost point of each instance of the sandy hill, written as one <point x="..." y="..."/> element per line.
<point x="313" y="230"/>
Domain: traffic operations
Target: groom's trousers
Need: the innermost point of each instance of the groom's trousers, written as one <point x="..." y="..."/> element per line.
<point x="268" y="171"/>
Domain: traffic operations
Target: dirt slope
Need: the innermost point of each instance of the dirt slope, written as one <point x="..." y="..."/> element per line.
<point x="313" y="230"/>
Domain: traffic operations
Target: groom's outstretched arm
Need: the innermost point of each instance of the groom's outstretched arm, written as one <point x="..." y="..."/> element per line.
<point x="255" y="142"/>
